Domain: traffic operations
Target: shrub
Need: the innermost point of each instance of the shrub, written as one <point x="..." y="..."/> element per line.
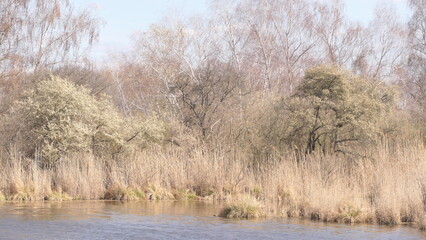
<point x="59" y="117"/>
<point x="333" y="108"/>
<point x="331" y="111"/>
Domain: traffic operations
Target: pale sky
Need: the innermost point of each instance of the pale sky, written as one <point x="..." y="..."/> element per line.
<point x="122" y="18"/>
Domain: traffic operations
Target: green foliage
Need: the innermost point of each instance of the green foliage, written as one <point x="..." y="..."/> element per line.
<point x="331" y="111"/>
<point x="151" y="131"/>
<point x="60" y="117"/>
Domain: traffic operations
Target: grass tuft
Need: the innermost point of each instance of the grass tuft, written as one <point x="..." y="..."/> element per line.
<point x="58" y="196"/>
<point x="158" y="193"/>
<point x="185" y="195"/>
<point x="123" y="194"/>
<point x="243" y="206"/>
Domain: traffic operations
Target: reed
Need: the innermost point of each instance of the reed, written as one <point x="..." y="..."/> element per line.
<point x="388" y="186"/>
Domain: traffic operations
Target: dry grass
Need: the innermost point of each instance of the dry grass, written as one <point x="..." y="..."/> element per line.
<point x="387" y="187"/>
<point x="422" y="223"/>
<point x="242" y="206"/>
<point x="123" y="193"/>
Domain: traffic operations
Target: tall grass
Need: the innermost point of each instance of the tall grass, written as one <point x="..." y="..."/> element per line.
<point x="388" y="186"/>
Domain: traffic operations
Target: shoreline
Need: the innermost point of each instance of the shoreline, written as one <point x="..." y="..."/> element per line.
<point x="216" y="203"/>
<point x="387" y="188"/>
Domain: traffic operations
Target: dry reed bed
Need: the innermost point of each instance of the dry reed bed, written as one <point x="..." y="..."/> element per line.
<point x="388" y="187"/>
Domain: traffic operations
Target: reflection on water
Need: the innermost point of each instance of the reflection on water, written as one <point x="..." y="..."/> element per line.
<point x="167" y="220"/>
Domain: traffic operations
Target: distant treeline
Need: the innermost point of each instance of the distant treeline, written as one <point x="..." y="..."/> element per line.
<point x="265" y="76"/>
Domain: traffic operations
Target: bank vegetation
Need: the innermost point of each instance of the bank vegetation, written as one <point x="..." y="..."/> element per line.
<point x="280" y="108"/>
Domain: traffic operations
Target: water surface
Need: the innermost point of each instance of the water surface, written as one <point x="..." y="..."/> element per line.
<point x="167" y="220"/>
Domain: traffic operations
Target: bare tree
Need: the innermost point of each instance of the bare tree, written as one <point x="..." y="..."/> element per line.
<point x="39" y="35"/>
<point x="192" y="70"/>
<point x="387" y="44"/>
<point x="415" y="83"/>
<point x="281" y="40"/>
<point x="341" y="42"/>
<point x="56" y="33"/>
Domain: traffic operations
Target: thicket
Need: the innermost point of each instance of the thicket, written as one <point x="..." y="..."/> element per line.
<point x="331" y="111"/>
<point x="58" y="118"/>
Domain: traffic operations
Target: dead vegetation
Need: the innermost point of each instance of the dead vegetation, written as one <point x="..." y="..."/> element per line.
<point x="388" y="187"/>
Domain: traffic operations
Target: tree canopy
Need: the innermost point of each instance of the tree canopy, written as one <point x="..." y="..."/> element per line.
<point x="332" y="107"/>
<point x="60" y="117"/>
<point x="331" y="111"/>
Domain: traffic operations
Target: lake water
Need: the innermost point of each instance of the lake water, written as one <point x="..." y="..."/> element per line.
<point x="167" y="220"/>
